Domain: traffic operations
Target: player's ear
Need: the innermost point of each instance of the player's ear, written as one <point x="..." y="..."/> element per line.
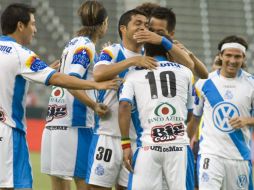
<point x="123" y="29"/>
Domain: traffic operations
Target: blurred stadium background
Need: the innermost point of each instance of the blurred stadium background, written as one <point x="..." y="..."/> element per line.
<point x="200" y="26"/>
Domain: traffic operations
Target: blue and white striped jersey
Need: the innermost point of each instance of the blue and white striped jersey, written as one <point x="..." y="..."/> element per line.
<point x="163" y="98"/>
<point x="18" y="64"/>
<point x="108" y="125"/>
<point x="77" y="60"/>
<point x="220" y="99"/>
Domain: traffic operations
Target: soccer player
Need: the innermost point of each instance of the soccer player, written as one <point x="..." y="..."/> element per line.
<point x="105" y="161"/>
<point x="19" y="64"/>
<point x="163" y="98"/>
<point x="163" y="21"/>
<point x="226" y="100"/>
<point x="69" y="129"/>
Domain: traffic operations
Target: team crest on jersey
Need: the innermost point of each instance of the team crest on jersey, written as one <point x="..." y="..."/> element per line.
<point x="222" y="112"/>
<point x="56" y="112"/>
<point x="242" y="181"/>
<point x="35" y="64"/>
<point x="228" y="95"/>
<point x="106" y="55"/>
<point x="2" y="115"/>
<point x="82" y="56"/>
<point x="205" y="177"/>
<point x="99" y="170"/>
<point x="168" y="132"/>
<point x="164" y="109"/>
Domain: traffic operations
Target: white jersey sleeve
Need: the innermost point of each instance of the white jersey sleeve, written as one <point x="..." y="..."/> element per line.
<point x="32" y="68"/>
<point x="127" y="89"/>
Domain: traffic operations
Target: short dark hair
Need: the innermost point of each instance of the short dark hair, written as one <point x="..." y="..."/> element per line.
<point x="156" y="50"/>
<point x="13" y="14"/>
<point x="126" y="18"/>
<point x="147" y="7"/>
<point x="165" y="14"/>
<point x="233" y="39"/>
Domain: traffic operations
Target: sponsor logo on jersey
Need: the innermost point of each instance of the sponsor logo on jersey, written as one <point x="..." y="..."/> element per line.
<point x="242" y="181"/>
<point x="222" y="112"/>
<point x="169" y="64"/>
<point x="5" y="49"/>
<point x="164" y="112"/>
<point x="164" y="109"/>
<point x="57" y="95"/>
<point x="55" y="112"/>
<point x="99" y="170"/>
<point x="205" y="177"/>
<point x="168" y="132"/>
<point x="2" y="115"/>
<point x="106" y="55"/>
<point x="82" y="56"/>
<point x="35" y="64"/>
<point x="166" y="149"/>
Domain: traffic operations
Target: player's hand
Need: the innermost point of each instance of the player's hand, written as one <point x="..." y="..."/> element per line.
<point x="55" y="65"/>
<point x="146" y="36"/>
<point x="127" y="159"/>
<point x="101" y="109"/>
<point x="145" y="62"/>
<point x="110" y="84"/>
<point x="238" y="122"/>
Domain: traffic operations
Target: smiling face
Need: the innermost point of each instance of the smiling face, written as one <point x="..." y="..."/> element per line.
<point x="137" y="23"/>
<point x="232" y="60"/>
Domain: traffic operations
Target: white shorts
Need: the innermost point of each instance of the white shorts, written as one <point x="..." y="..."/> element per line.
<point x="151" y="162"/>
<point x="216" y="173"/>
<point x="15" y="168"/>
<point x="64" y="151"/>
<point x="105" y="162"/>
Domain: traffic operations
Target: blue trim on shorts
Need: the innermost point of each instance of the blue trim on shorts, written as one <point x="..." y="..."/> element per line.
<point x="134" y="158"/>
<point x="250" y="176"/>
<point x="22" y="171"/>
<point x="190" y="170"/>
<point x="91" y="153"/>
<point x="85" y="136"/>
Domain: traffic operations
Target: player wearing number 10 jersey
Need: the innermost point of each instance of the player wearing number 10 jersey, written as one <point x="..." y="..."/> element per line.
<point x="163" y="97"/>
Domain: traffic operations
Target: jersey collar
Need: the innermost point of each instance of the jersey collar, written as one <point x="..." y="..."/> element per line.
<point x="7" y="38"/>
<point x="160" y="58"/>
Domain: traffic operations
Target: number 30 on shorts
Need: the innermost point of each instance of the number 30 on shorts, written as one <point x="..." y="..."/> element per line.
<point x="104" y="154"/>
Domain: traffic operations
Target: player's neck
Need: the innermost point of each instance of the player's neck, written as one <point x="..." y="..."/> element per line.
<point x="134" y="47"/>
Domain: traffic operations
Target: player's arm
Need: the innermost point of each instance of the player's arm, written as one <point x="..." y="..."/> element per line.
<point x="104" y="72"/>
<point x="81" y="95"/>
<point x="124" y="119"/>
<point x="146" y="36"/>
<point x="71" y="82"/>
<point x="240" y="122"/>
<point x="200" y="69"/>
<point x="192" y="126"/>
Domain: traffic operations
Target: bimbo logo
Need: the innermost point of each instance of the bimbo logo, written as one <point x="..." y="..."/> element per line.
<point x="222" y="113"/>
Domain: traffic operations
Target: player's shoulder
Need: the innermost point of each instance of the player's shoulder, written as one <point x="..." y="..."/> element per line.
<point x="247" y="77"/>
<point x="109" y="53"/>
<point x="79" y="41"/>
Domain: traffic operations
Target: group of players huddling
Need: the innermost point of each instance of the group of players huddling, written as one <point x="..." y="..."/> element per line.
<point x="124" y="118"/>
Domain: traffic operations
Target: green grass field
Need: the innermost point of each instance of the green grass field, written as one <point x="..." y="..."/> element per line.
<point x="41" y="181"/>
